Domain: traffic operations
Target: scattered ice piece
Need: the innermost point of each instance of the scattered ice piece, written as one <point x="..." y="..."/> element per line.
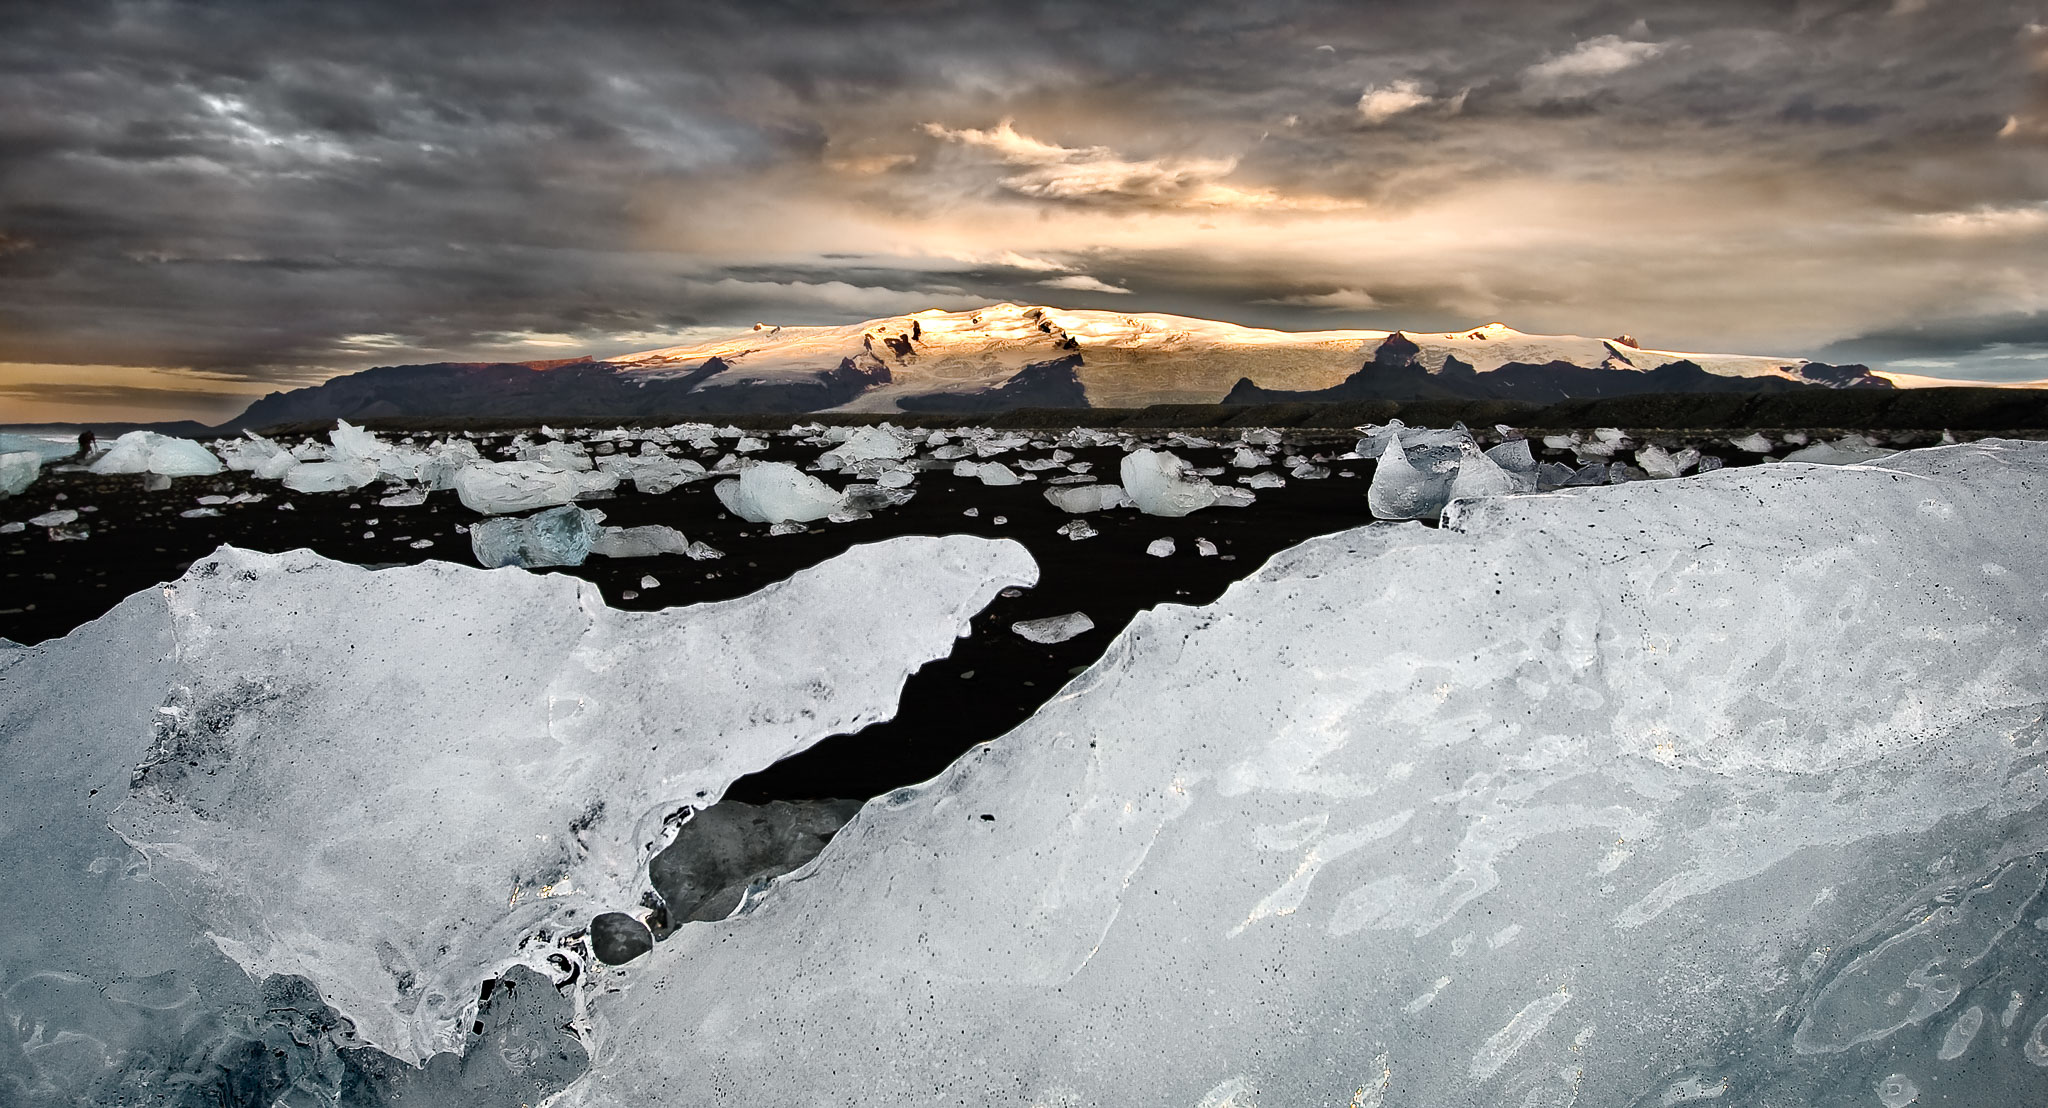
<point x="1621" y="472"/>
<point x="1000" y="520"/>
<point x="1075" y="499"/>
<point x="338" y="476"/>
<point x="1661" y="463"/>
<point x="1054" y="629"/>
<point x="58" y="518"/>
<point x="748" y="444"/>
<point x="1795" y="438"/>
<point x="653" y="474"/>
<point x="556" y="537"/>
<point x="1264" y="480"/>
<point x="650" y="582"/>
<point x="1515" y="459"/>
<point x="1752" y="443"/>
<point x="971" y="513"/>
<point x="410" y="498"/>
<point x="202" y="513"/>
<point x="1593" y="473"/>
<point x="1161" y="484"/>
<point x="421" y="544"/>
<point x="1309" y="471"/>
<point x="1078" y="529"/>
<point x="1247" y="458"/>
<point x="701" y="551"/>
<point x="1709" y="463"/>
<point x="777" y="492"/>
<point x="1205" y="548"/>
<point x="895" y="478"/>
<point x="639" y="542"/>
<point x="1479" y="475"/>
<point x="149" y="452"/>
<point x="786" y="528"/>
<point x="215" y="498"/>
<point x="1399" y="490"/>
<point x="13" y="528"/>
<point x="18" y="470"/>
<point x="1160" y="548"/>
<point x="1848" y="450"/>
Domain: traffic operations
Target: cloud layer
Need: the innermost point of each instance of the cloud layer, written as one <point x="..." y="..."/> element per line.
<point x="248" y="189"/>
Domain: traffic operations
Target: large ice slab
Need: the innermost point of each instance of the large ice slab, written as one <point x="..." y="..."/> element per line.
<point x="1640" y="794"/>
<point x="394" y="783"/>
<point x="150" y="452"/>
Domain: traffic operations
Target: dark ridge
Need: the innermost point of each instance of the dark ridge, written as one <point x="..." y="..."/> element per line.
<point x="1048" y="384"/>
<point x="531" y="392"/>
<point x="1394" y="375"/>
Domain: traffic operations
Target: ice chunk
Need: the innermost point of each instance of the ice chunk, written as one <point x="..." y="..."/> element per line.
<point x="18" y="470"/>
<point x="557" y="455"/>
<point x="1161" y="484"/>
<point x="1663" y="464"/>
<point x="1160" y="548"/>
<point x="1247" y="458"/>
<point x="653" y="474"/>
<point x="557" y="537"/>
<point x="703" y="552"/>
<point x="650" y="582"/>
<point x="990" y="473"/>
<point x="499" y="488"/>
<point x="1267" y="480"/>
<point x="869" y="443"/>
<point x="57" y="518"/>
<point x="474" y="764"/>
<point x="1515" y="459"/>
<point x="1077" y="530"/>
<point x="1086" y="498"/>
<point x="149" y="452"/>
<point x="1205" y="548"/>
<point x="1479" y="475"/>
<point x="1346" y="762"/>
<point x="338" y="476"/>
<point x="1054" y="629"/>
<point x="777" y="492"/>
<point x="408" y="498"/>
<point x="1847" y="450"/>
<point x="1401" y="491"/>
<point x="639" y="542"/>
<point x="1752" y="443"/>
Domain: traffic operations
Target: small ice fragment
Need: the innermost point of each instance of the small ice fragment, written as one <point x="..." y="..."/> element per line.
<point x="410" y="498"/>
<point x="13" y="528"/>
<point x="556" y="537"/>
<point x="1000" y="520"/>
<point x="1752" y="443"/>
<point x="639" y="542"/>
<point x="972" y="513"/>
<point x="1658" y="462"/>
<point x="1054" y="629"/>
<point x="310" y="477"/>
<point x="18" y="470"/>
<point x="1263" y="480"/>
<point x="1161" y="484"/>
<point x="1075" y="499"/>
<point x="786" y="527"/>
<point x="777" y="492"/>
<point x="701" y="551"/>
<point x="650" y="582"/>
<point x="58" y="518"/>
<point x="1479" y="475"/>
<point x="1247" y="458"/>
<point x="1897" y="1091"/>
<point x="422" y="544"/>
<point x="1077" y="530"/>
<point x="1160" y="548"/>
<point x="1621" y="472"/>
<point x="202" y="513"/>
<point x="1205" y="548"/>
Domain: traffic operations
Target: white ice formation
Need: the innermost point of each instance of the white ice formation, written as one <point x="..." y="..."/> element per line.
<point x="1628" y="795"/>
<point x="393" y="783"/>
<point x="149" y="452"/>
<point x="1054" y="629"/>
<point x="18" y="470"/>
<point x="1160" y="483"/>
<point x="561" y="536"/>
<point x="776" y="492"/>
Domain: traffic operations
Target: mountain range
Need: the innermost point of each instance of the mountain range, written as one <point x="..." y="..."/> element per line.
<point x="1007" y="356"/>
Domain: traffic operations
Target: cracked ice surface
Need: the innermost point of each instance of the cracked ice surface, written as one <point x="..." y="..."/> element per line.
<point x="1637" y="794"/>
<point x="388" y="782"/>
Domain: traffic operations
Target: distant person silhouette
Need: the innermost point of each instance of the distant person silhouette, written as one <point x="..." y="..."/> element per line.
<point x="86" y="442"/>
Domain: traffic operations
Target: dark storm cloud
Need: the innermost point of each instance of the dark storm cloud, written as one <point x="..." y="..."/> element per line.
<point x="276" y="190"/>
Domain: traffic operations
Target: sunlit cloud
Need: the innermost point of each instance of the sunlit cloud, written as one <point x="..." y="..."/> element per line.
<point x="1380" y="104"/>
<point x="1350" y="300"/>
<point x="1596" y="57"/>
<point x="1098" y="174"/>
<point x="1081" y="282"/>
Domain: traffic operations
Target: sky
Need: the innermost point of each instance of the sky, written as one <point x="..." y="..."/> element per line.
<point x="204" y="202"/>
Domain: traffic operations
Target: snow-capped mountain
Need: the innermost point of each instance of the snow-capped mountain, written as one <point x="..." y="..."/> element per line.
<point x="1006" y="356"/>
<point x="1133" y="359"/>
